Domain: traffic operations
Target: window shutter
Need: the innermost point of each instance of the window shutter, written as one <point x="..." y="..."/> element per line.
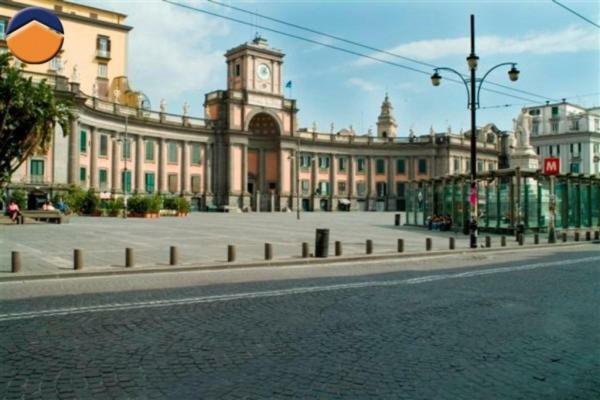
<point x="108" y="45"/>
<point x="98" y="43"/>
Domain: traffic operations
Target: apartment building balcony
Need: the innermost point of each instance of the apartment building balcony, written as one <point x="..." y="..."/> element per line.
<point x="103" y="54"/>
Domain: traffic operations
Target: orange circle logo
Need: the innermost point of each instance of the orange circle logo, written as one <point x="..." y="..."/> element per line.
<point x="34" y="35"/>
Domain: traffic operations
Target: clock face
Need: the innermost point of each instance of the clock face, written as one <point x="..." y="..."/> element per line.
<point x="263" y="71"/>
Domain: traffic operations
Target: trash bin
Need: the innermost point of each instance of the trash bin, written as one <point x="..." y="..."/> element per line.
<point x="322" y="243"/>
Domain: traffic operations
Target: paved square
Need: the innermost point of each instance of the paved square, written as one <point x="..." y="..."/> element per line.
<point x="203" y="238"/>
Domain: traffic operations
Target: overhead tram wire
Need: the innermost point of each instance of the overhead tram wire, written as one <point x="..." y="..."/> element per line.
<point x="355" y="53"/>
<point x="577" y="96"/>
<point x="365" y="46"/>
<point x="573" y="12"/>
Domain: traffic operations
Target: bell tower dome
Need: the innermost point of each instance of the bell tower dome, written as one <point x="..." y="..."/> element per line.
<point x="386" y="123"/>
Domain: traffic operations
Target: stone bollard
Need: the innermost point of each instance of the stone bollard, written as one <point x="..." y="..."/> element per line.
<point x="428" y="244"/>
<point x="576" y="236"/>
<point x="268" y="251"/>
<point x="588" y="236"/>
<point x="322" y="243"/>
<point x="230" y="253"/>
<point x="173" y="256"/>
<point x="369" y="246"/>
<point x="451" y="243"/>
<point x="400" y="245"/>
<point x="503" y="241"/>
<point x="597" y="235"/>
<point x="564" y="237"/>
<point x="521" y="239"/>
<point x="536" y="239"/>
<point x="305" y="250"/>
<point x="15" y="261"/>
<point x="488" y="241"/>
<point x="338" y="248"/>
<point x="77" y="259"/>
<point x="397" y="220"/>
<point x="129" y="258"/>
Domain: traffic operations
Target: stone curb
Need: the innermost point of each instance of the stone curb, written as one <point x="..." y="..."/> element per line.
<point x="15" y="277"/>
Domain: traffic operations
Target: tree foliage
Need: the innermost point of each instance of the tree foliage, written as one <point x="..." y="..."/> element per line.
<point x="29" y="113"/>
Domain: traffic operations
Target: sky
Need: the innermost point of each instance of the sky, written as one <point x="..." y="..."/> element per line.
<point x="177" y="54"/>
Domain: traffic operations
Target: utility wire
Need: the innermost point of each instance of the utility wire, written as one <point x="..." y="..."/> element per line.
<point x="574" y="12"/>
<point x="335" y="47"/>
<point x="365" y="46"/>
<point x="576" y="96"/>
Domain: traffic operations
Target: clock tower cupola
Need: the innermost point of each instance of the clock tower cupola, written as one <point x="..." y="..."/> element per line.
<point x="255" y="67"/>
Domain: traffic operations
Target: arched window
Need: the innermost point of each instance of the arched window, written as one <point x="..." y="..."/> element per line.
<point x="263" y="124"/>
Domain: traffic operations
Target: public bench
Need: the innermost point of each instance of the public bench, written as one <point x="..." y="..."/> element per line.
<point x="53" y="216"/>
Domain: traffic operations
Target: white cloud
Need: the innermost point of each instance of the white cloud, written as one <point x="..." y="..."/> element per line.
<point x="569" y="40"/>
<point x="364" y="84"/>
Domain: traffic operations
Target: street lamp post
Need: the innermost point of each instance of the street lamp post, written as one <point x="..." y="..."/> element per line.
<point x="296" y="159"/>
<point x="126" y="152"/>
<point x="473" y="87"/>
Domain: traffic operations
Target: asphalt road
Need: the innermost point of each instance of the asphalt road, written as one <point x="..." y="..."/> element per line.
<point x="523" y="325"/>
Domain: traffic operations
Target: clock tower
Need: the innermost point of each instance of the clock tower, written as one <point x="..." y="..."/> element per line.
<point x="255" y="67"/>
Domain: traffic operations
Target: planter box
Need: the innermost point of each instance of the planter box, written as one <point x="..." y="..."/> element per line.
<point x="143" y="215"/>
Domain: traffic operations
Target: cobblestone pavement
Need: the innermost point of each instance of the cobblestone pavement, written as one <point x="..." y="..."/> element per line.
<point x="526" y="329"/>
<point x="203" y="238"/>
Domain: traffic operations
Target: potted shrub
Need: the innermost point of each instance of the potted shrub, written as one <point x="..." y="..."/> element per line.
<point x="169" y="206"/>
<point x="114" y="207"/>
<point x="183" y="206"/>
<point x="90" y="204"/>
<point x="154" y="204"/>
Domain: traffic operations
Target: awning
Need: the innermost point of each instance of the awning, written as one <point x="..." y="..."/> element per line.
<point x="344" y="201"/>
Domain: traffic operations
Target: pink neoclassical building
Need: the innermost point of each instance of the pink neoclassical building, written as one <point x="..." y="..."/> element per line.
<point x="247" y="151"/>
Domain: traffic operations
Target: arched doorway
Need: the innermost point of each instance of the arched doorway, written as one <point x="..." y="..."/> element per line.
<point x="263" y="124"/>
<point x="263" y="161"/>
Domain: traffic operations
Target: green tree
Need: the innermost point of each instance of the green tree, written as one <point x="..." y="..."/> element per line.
<point x="29" y="113"/>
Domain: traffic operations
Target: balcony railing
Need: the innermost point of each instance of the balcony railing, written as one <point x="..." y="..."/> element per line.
<point x="102" y="53"/>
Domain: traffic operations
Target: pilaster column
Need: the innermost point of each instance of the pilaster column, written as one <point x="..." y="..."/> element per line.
<point x="116" y="175"/>
<point x="352" y="174"/>
<point x="313" y="173"/>
<point x="281" y="176"/>
<point x="391" y="175"/>
<point x="207" y="168"/>
<point x="162" y="165"/>
<point x="73" y="159"/>
<point x="185" y="167"/>
<point x="93" y="158"/>
<point x="370" y="180"/>
<point x="230" y="156"/>
<point x="333" y="175"/>
<point x="139" y="164"/>
<point x="261" y="171"/>
<point x="244" y="169"/>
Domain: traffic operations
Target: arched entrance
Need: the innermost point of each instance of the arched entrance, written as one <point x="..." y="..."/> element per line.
<point x="263" y="161"/>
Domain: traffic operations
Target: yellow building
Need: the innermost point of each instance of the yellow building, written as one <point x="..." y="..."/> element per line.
<point x="95" y="46"/>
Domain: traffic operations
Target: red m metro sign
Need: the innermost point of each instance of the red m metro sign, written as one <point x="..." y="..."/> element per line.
<point x="551" y="166"/>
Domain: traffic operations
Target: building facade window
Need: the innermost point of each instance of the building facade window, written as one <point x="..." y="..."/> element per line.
<point x="82" y="175"/>
<point x="103" y="46"/>
<point x="597" y="124"/>
<point x="381" y="188"/>
<point x="400" y="189"/>
<point x="342" y="164"/>
<point x="324" y="162"/>
<point x="422" y="166"/>
<point x="400" y="167"/>
<point x="491" y="166"/>
<point x="36" y="171"/>
<point x="172" y="180"/>
<point x="341" y="187"/>
<point x="172" y="158"/>
<point x="323" y="188"/>
<point x="196" y="184"/>
<point x="103" y="150"/>
<point x="554" y="126"/>
<point x="305" y="161"/>
<point x="575" y="125"/>
<point x="457" y="166"/>
<point x="360" y="165"/>
<point x="361" y="188"/>
<point x="305" y="185"/>
<point x="149" y="150"/>
<point x="83" y="142"/>
<point x="102" y="70"/>
<point x="149" y="180"/>
<point x="196" y="159"/>
<point x="126" y="180"/>
<point x="535" y="128"/>
<point x="102" y="179"/>
<point x="54" y="64"/>
<point x="238" y="70"/>
<point x="380" y="166"/>
<point x="3" y="26"/>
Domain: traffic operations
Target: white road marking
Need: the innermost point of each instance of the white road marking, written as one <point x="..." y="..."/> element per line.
<point x="285" y="292"/>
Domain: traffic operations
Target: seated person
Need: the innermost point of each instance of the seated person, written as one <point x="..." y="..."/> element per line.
<point x="13" y="211"/>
